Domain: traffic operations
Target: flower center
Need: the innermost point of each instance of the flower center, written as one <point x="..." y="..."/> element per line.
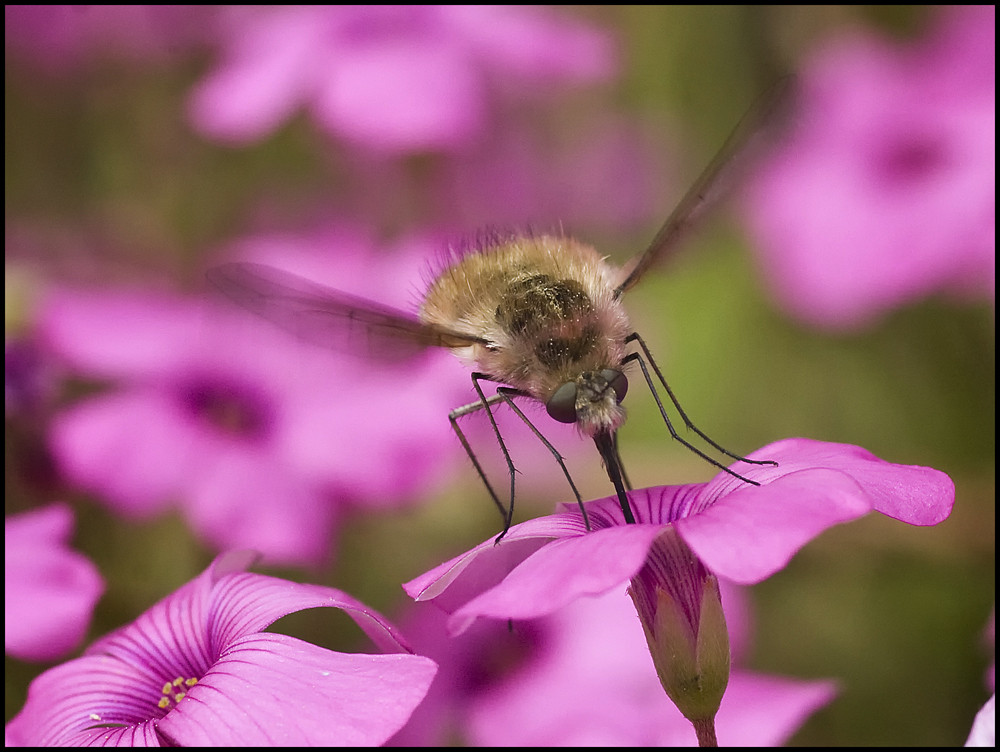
<point x="175" y="691"/>
<point x="230" y="408"/>
<point x="912" y="159"/>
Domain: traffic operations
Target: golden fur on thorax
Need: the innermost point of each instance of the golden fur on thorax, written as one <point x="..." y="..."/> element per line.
<point x="547" y="309"/>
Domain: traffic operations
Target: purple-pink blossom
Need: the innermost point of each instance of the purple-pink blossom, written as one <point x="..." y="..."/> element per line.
<point x="391" y="78"/>
<point x="196" y="669"/>
<point x="740" y="532"/>
<point x="883" y="190"/>
<point x="60" y="38"/>
<point x="50" y="590"/>
<point x="684" y="539"/>
<point x="582" y="676"/>
<point x="523" y="177"/>
<point x="262" y="441"/>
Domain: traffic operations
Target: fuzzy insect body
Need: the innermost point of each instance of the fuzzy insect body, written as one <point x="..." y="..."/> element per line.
<point x="545" y="314"/>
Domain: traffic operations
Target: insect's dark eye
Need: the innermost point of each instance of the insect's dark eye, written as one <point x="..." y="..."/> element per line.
<point x="617" y="381"/>
<point x="562" y="405"/>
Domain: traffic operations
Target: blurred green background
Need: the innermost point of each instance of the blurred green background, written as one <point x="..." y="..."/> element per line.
<point x="102" y="168"/>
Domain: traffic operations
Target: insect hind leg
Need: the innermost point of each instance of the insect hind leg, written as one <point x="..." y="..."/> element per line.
<point x="634" y="337"/>
<point x="453" y="417"/>
<point x="507" y="512"/>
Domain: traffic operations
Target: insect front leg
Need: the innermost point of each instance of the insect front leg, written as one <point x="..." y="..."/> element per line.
<point x="634" y="337"/>
<point x="508" y="393"/>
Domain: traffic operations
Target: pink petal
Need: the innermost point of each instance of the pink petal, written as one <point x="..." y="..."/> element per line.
<point x="984" y="727"/>
<point x="131" y="447"/>
<point x="753" y="532"/>
<point x="49" y="589"/>
<point x="910" y="493"/>
<point x="453" y="583"/>
<point x="561" y="572"/>
<point x="533" y="42"/>
<point x="404" y="94"/>
<point x="246" y="603"/>
<point x="271" y="689"/>
<point x="270" y="71"/>
<point x="232" y="503"/>
<point x="67" y="702"/>
<point x="764" y="711"/>
<point x="51" y="525"/>
<point x="137" y="334"/>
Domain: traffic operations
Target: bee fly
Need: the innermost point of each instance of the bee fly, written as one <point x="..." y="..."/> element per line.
<point x="540" y="316"/>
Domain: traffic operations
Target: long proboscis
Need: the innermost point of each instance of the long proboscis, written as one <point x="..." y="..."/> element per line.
<point x="606" y="446"/>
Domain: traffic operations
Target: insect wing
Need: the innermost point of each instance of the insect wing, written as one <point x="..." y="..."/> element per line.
<point x="327" y="317"/>
<point x="764" y="115"/>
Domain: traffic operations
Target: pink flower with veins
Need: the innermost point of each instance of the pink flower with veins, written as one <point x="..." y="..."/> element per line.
<point x="884" y="189"/>
<point x="391" y="78"/>
<point x="740" y="532"/>
<point x="684" y="539"/>
<point x="198" y="669"/>
<point x="50" y="590"/>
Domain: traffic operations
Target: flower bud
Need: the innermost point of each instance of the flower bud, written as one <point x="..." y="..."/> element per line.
<point x="681" y="613"/>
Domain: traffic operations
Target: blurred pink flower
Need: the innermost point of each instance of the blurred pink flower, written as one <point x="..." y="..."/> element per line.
<point x="50" y="590"/>
<point x="583" y="677"/>
<point x="984" y="727"/>
<point x="740" y="532"/>
<point x="605" y="174"/>
<point x="260" y="440"/>
<point x="197" y="669"/>
<point x="884" y="190"/>
<point x="60" y="37"/>
<point x="392" y="78"/>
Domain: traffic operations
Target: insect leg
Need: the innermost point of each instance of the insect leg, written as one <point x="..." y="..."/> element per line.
<point x="508" y="393"/>
<point x="453" y="416"/>
<point x="634" y="336"/>
<point x="670" y="426"/>
<point x="484" y="403"/>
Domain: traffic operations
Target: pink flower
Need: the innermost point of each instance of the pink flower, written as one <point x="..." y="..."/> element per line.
<point x="984" y="727"/>
<point x="260" y="440"/>
<point x="522" y="177"/>
<point x="684" y="536"/>
<point x="50" y="590"/>
<point x="740" y="532"/>
<point x="582" y="676"/>
<point x="60" y="37"/>
<point x="393" y="78"/>
<point x="197" y="670"/>
<point x="884" y="191"/>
